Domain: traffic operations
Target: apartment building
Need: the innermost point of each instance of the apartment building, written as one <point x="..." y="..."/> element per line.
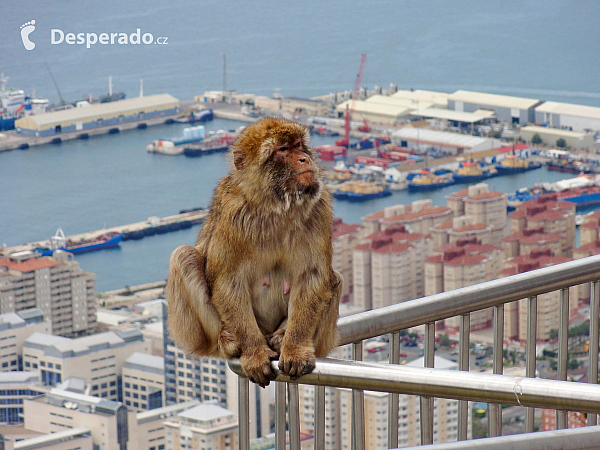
<point x="14" y="329"/>
<point x="549" y="214"/>
<point x="143" y="382"/>
<point x="460" y="264"/>
<point x="98" y="359"/>
<point x="461" y="228"/>
<point x="409" y="429"/>
<point x="515" y="313"/>
<point x="14" y="388"/>
<point x="417" y="217"/>
<point x="344" y="237"/>
<point x="530" y="240"/>
<point x="203" y="427"/>
<point x="589" y="229"/>
<point x="485" y="206"/>
<point x="56" y="285"/>
<point x="575" y="419"/>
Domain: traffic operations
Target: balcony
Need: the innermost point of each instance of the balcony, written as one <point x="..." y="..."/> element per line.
<point x="495" y="389"/>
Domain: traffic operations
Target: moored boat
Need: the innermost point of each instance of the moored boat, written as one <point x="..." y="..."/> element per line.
<point x="515" y="164"/>
<point x="428" y="181"/>
<point x="176" y="145"/>
<point x="60" y="242"/>
<point x="473" y="172"/>
<point x="220" y="142"/>
<point x="360" y="191"/>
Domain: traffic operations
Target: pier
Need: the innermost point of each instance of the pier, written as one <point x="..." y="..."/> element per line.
<point x="133" y="231"/>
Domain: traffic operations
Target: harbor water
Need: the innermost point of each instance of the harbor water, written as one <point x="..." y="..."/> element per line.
<point x="516" y="48"/>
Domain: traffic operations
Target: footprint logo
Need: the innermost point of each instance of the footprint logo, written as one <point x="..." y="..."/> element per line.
<point x="26" y="29"/>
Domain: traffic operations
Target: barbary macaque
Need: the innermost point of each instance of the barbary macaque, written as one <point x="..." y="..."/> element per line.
<point x="259" y="284"/>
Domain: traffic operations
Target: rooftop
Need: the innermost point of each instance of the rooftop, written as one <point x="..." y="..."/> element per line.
<point x="29" y="265"/>
<point x="570" y="109"/>
<point x="206" y="411"/>
<point x="503" y="101"/>
<point x="443" y="138"/>
<point x="145" y="362"/>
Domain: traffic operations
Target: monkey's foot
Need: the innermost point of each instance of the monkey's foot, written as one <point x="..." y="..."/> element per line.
<point x="296" y="361"/>
<point x="275" y="340"/>
<point x="257" y="366"/>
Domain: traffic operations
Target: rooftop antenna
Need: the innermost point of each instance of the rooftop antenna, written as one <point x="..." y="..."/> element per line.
<point x="141" y="87"/>
<point x="62" y="100"/>
<point x="110" y="86"/>
<point x="224" y="72"/>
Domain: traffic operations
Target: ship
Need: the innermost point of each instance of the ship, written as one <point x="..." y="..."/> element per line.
<point x="176" y="145"/>
<point x="428" y="181"/>
<point x="569" y="166"/>
<point x="60" y="242"/>
<point x="515" y="164"/>
<point x="196" y="114"/>
<point x="217" y="143"/>
<point x="360" y="191"/>
<point x="473" y="172"/>
<point x="14" y="104"/>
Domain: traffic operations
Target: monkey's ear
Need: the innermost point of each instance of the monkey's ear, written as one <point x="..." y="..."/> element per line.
<point x="238" y="159"/>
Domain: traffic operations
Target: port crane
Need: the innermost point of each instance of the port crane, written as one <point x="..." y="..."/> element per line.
<point x="345" y="142"/>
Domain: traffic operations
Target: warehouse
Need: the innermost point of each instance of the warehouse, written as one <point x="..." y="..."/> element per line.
<point x="568" y="116"/>
<point x="448" y="143"/>
<point x="420" y="97"/>
<point x="99" y="115"/>
<point x="387" y="114"/>
<point x="549" y="136"/>
<point x="507" y="109"/>
<point x="455" y="118"/>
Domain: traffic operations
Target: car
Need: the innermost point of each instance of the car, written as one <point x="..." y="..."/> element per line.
<point x="403" y="354"/>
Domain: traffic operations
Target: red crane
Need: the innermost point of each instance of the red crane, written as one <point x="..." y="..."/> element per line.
<point x="349" y="110"/>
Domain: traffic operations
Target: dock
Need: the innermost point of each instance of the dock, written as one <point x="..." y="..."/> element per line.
<point x="133" y="231"/>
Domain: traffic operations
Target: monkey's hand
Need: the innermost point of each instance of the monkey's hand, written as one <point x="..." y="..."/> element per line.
<point x="296" y="360"/>
<point x="256" y="364"/>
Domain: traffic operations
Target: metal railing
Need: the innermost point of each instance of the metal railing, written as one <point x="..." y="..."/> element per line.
<point x="496" y="389"/>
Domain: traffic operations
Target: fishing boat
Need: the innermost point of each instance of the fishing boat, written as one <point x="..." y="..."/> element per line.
<point x="515" y="164"/>
<point x="360" y="191"/>
<point x="60" y="242"/>
<point x="428" y="181"/>
<point x="473" y="172"/>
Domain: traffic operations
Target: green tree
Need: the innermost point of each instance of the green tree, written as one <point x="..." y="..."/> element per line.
<point x="553" y="333"/>
<point x="445" y="340"/>
<point x="572" y="364"/>
<point x="536" y="139"/>
<point x="561" y="143"/>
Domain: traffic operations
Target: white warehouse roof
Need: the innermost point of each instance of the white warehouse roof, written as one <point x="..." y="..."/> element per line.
<point x="459" y="116"/>
<point x="418" y="95"/>
<point x="503" y="101"/>
<point x="439" y="137"/>
<point x="374" y="108"/>
<point x="397" y="101"/>
<point x="570" y="109"/>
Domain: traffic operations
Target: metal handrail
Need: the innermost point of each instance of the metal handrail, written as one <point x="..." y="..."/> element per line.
<point x="423" y="310"/>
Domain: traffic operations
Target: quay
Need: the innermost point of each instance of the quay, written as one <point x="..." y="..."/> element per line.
<point x="134" y="231"/>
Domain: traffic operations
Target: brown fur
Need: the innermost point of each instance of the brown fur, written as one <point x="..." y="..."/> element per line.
<point x="269" y="216"/>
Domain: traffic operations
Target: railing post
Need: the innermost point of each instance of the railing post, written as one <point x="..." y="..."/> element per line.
<point x="279" y="416"/>
<point x="593" y="349"/>
<point x="530" y="355"/>
<point x="427" y="402"/>
<point x="495" y="410"/>
<point x="358" y="406"/>
<point x="294" y="416"/>
<point x="563" y="348"/>
<point x="244" y="413"/>
<point x="463" y="364"/>
<point x="319" y="416"/>
<point x="393" y="398"/>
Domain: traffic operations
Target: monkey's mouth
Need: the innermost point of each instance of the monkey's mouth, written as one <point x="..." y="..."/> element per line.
<point x="306" y="176"/>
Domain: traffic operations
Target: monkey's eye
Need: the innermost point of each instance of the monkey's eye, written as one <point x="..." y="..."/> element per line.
<point x="283" y="148"/>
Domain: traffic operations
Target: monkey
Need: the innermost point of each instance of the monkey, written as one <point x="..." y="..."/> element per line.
<point x="259" y="283"/>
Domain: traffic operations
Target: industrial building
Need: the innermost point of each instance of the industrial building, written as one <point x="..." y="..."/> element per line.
<point x="420" y="97"/>
<point x="549" y="136"/>
<point x="568" y="116"/>
<point x="386" y="114"/>
<point x="455" y="118"/>
<point x="507" y="109"/>
<point x="309" y="106"/>
<point x="98" y="115"/>
<point x="450" y="143"/>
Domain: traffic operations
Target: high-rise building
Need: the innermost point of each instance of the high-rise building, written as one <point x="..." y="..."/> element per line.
<point x="14" y="388"/>
<point x="56" y="285"/>
<point x="98" y="359"/>
<point x="143" y="382"/>
<point x="14" y="329"/>
<point x="343" y="239"/>
<point x="416" y="218"/>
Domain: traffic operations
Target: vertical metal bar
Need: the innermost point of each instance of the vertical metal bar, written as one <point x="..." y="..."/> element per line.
<point x="593" y="369"/>
<point x="495" y="415"/>
<point x="427" y="402"/>
<point x="563" y="336"/>
<point x="319" y="416"/>
<point x="294" y="416"/>
<point x="358" y="406"/>
<point x="244" y="413"/>
<point x="393" y="398"/>
<point x="463" y="364"/>
<point x="279" y="416"/>
<point x="530" y="354"/>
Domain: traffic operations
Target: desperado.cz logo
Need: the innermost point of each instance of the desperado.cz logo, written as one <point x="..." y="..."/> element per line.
<point x="58" y="36"/>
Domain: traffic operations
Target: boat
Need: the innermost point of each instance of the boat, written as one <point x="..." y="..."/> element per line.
<point x="569" y="166"/>
<point x="176" y="145"/>
<point x="196" y="114"/>
<point x="14" y="104"/>
<point x="428" y="181"/>
<point x="360" y="191"/>
<point x="219" y="142"/>
<point x="473" y="172"/>
<point x="515" y="164"/>
<point x="60" y="242"/>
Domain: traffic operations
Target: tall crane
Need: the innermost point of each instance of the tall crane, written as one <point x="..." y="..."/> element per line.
<point x="349" y="110"/>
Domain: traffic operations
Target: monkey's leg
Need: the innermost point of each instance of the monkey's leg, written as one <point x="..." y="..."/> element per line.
<point x="327" y="337"/>
<point x="187" y="297"/>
